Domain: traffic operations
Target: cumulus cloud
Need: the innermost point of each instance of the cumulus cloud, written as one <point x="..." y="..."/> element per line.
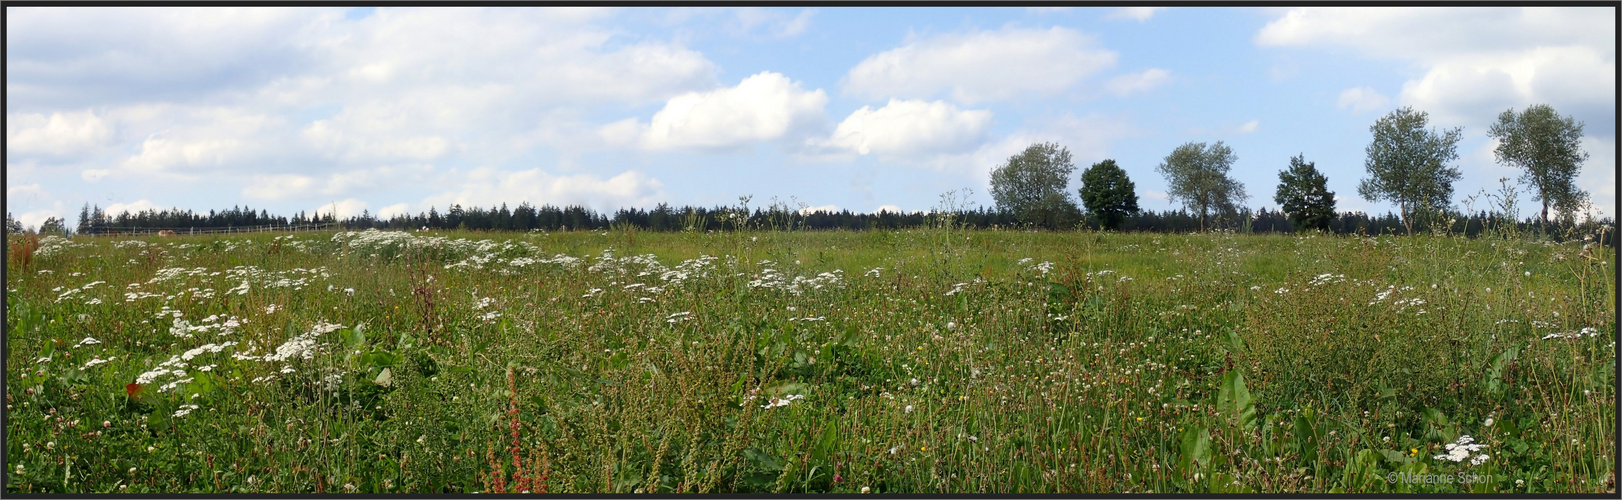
<point x="1361" y="100"/>
<point x="1249" y="127"/>
<point x="888" y="208"/>
<point x="57" y="135"/>
<point x="486" y="186"/>
<point x="820" y="208"/>
<point x="24" y="190"/>
<point x="1139" y="14"/>
<point x="1133" y="83"/>
<point x="137" y="206"/>
<point x="982" y="66"/>
<point x="1478" y="61"/>
<point x="393" y="210"/>
<point x="903" y="129"/>
<point x="764" y="106"/>
<point x="340" y="209"/>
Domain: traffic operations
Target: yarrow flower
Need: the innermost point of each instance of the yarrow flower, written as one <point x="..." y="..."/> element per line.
<point x="1464" y="448"/>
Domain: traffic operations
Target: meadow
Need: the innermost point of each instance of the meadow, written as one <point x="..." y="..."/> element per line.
<point x="913" y="361"/>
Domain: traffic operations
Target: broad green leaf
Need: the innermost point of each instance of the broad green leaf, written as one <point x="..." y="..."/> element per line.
<point x="1196" y="447"/>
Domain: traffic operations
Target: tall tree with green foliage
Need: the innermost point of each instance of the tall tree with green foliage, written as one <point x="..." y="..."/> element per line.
<point x="1108" y="194"/>
<point x="1407" y="164"/>
<point x="1548" y="147"/>
<point x="1305" y="195"/>
<point x="1033" y="185"/>
<point x="1197" y="176"/>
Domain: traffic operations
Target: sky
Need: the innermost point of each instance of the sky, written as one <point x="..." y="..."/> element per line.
<point x="394" y="110"/>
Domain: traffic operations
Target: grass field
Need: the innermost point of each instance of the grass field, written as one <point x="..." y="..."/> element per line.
<point x="926" y="361"/>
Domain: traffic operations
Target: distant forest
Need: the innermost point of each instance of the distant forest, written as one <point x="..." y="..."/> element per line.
<point x="526" y="217"/>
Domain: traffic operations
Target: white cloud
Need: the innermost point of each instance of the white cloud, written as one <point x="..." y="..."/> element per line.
<point x="1477" y="61"/>
<point x="904" y="129"/>
<point x="160" y="154"/>
<point x="762" y="107"/>
<point x="1157" y="195"/>
<point x="487" y="186"/>
<point x="820" y="208"/>
<point x="393" y="210"/>
<point x="1139" y="14"/>
<point x="59" y="134"/>
<point x="889" y="208"/>
<point x="340" y="209"/>
<point x="14" y="192"/>
<point x="275" y="187"/>
<point x="133" y="207"/>
<point x="1361" y="100"/>
<point x="983" y="66"/>
<point x="1598" y="175"/>
<point x="1132" y="83"/>
<point x="1249" y="127"/>
<point x="33" y="218"/>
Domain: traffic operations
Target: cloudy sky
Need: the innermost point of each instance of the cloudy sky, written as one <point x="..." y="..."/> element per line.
<point x="393" y="110"/>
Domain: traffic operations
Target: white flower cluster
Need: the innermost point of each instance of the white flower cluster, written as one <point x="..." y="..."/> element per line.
<point x="679" y="317"/>
<point x="70" y="292"/>
<point x="1587" y="331"/>
<point x="770" y="278"/>
<point x="1464" y="448"/>
<point x="53" y="244"/>
<point x="781" y="402"/>
<point x="302" y="346"/>
<point x="1044" y="267"/>
<point x="130" y="244"/>
<point x="956" y="288"/>
<point x="1326" y="278"/>
<point x="184" y="410"/>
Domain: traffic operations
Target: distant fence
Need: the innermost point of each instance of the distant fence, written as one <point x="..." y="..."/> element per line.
<point x="192" y="231"/>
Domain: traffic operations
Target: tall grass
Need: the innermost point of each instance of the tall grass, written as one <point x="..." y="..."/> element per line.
<point x="926" y="361"/>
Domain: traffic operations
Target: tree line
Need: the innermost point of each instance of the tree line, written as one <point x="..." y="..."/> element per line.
<point x="1406" y="164"/>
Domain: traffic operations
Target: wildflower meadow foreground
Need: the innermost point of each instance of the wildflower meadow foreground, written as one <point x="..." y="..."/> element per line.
<point x="923" y="361"/>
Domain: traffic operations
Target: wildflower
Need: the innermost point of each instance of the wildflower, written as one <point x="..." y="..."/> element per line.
<point x="1487" y="423"/>
<point x="864" y="488"/>
<point x="51" y="445"/>
<point x="908" y="409"/>
<point x="106" y="424"/>
<point x="1461" y="449"/>
<point x="20" y="472"/>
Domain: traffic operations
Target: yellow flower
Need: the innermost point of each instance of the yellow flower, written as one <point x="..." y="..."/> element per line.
<point x="1140" y="419"/>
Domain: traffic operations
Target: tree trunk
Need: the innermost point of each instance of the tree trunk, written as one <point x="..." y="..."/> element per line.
<point x="1407" y="220"/>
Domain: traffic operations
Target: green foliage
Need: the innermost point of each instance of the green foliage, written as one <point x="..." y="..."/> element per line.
<point x="1204" y="363"/>
<point x="1108" y="194"/>
<point x="1548" y="147"/>
<point x="1408" y="164"/>
<point x="1304" y="194"/>
<point x="1033" y="186"/>
<point x="1197" y="176"/>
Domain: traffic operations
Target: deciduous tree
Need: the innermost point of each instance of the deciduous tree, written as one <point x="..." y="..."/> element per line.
<point x="1548" y="147"/>
<point x="1108" y="194"/>
<point x="1197" y="176"/>
<point x="1407" y="164"/>
<point x="1033" y="185"/>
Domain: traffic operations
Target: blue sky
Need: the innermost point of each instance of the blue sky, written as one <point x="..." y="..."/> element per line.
<point x="392" y="110"/>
